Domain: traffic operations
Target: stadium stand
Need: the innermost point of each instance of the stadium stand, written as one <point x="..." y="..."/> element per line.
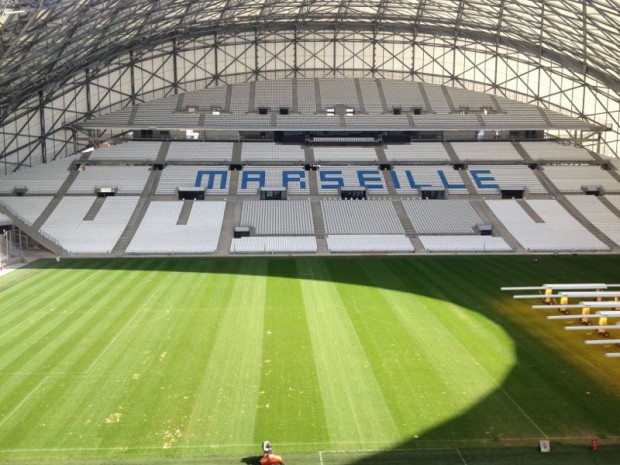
<point x="131" y="151"/>
<point x="338" y="92"/>
<point x="487" y="179"/>
<point x="200" y="152"/>
<point x="418" y="151"/>
<point x="371" y="243"/>
<point x="598" y="214"/>
<point x="216" y="179"/>
<point x="554" y="229"/>
<point x="274" y="94"/>
<point x="442" y="216"/>
<point x="372" y="99"/>
<point x="571" y="179"/>
<point x="437" y="99"/>
<point x="289" y="218"/>
<point x="206" y="99"/>
<point x="67" y="223"/>
<point x="273" y="245"/>
<point x="486" y="151"/>
<point x="27" y="209"/>
<point x="271" y="153"/>
<point x="551" y="151"/>
<point x="332" y="178"/>
<point x="324" y="154"/>
<point x="360" y="217"/>
<point x="128" y="179"/>
<point x="403" y="95"/>
<point x="408" y="179"/>
<point x="293" y="178"/>
<point x="160" y="233"/>
<point x="40" y="179"/>
<point x="464" y="244"/>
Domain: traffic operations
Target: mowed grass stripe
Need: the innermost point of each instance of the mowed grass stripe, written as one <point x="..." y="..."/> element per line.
<point x="144" y="386"/>
<point x="355" y="410"/>
<point x="224" y="412"/>
<point x="70" y="352"/>
<point x="32" y="301"/>
<point x="73" y="308"/>
<point x="433" y="326"/>
<point x="290" y="409"/>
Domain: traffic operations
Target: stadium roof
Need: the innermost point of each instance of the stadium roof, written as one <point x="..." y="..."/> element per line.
<point x="45" y="42"/>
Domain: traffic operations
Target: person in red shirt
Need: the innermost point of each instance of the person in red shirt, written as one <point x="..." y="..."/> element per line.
<point x="269" y="458"/>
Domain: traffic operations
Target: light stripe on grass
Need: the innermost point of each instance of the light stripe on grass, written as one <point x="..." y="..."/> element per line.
<point x="355" y="409"/>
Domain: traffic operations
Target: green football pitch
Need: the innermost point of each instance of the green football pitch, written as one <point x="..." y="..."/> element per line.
<point x="349" y="360"/>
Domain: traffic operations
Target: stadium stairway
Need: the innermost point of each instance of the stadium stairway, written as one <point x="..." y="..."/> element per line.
<point x="446" y="94"/>
<point x="427" y="102"/>
<point x="609" y="205"/>
<point x="360" y="96"/>
<point x="236" y="155"/>
<point x="94" y="209"/>
<point x="386" y="110"/>
<point x="403" y="217"/>
<point x="521" y="151"/>
<point x="232" y="215"/>
<point x="319" y="227"/>
<point x="389" y="183"/>
<point x="308" y="155"/>
<point x="380" y="153"/>
<point x="295" y="97"/>
<point x="546" y="182"/>
<point x="545" y="117"/>
<point x="186" y="211"/>
<point x="487" y="216"/>
<point x="163" y="151"/>
<point x="138" y="214"/>
<point x="454" y="158"/>
<point x="471" y="189"/>
<point x="313" y="183"/>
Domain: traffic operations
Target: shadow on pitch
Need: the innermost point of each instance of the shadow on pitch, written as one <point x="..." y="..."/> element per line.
<point x="579" y="394"/>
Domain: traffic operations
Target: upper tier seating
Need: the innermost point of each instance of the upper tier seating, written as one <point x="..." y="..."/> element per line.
<point x="288" y="218"/>
<point x="402" y="94"/>
<point x="306" y="96"/>
<point x="442" y="216"/>
<point x="66" y="224"/>
<point x="472" y="100"/>
<point x="486" y="151"/>
<point x="240" y="98"/>
<point x="338" y="91"/>
<point x="40" y="179"/>
<point x="361" y="217"/>
<point x="370" y="94"/>
<point x="159" y="232"/>
<point x="558" y="231"/>
<point x="437" y="99"/>
<point x="573" y="178"/>
<point x="215" y="152"/>
<point x="128" y="179"/>
<point x="344" y="154"/>
<point x="418" y="151"/>
<point x="272" y="153"/>
<point x="551" y="151"/>
<point x="206" y="99"/>
<point x="130" y="151"/>
<point x="274" y="94"/>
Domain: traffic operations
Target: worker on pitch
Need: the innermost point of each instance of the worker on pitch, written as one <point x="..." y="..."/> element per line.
<point x="269" y="458"/>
